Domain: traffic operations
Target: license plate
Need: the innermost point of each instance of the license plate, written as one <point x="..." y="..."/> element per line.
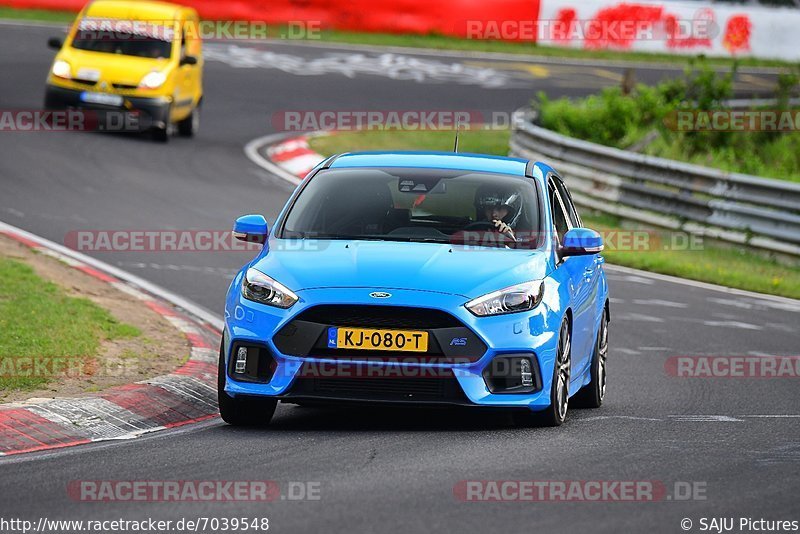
<point x="101" y="98"/>
<point x="371" y="339"/>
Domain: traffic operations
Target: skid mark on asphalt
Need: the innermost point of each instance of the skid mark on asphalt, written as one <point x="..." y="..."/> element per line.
<point x="784" y="454"/>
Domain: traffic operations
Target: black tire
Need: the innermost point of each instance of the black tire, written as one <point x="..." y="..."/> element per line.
<point x="556" y="413"/>
<point x="592" y="394"/>
<point x="189" y="126"/>
<point x="241" y="411"/>
<point x="161" y="134"/>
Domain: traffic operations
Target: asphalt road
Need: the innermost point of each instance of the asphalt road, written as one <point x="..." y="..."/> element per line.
<point x="395" y="470"/>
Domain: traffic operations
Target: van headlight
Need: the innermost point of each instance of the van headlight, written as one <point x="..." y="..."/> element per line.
<point x="153" y="80"/>
<point x="62" y="69"/>
<point x="259" y="287"/>
<point x="517" y="298"/>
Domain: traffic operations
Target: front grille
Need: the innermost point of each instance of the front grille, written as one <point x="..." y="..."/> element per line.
<point x="449" y="340"/>
<point x="379" y="317"/>
<point x="88" y="83"/>
<point x="436" y="390"/>
<point x="124" y="86"/>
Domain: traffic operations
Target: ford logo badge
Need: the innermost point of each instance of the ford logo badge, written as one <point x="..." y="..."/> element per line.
<point x="380" y="295"/>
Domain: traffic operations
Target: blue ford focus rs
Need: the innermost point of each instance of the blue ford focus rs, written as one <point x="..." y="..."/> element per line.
<point x="419" y="278"/>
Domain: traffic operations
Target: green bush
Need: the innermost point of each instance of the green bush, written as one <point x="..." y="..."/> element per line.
<point x="641" y="119"/>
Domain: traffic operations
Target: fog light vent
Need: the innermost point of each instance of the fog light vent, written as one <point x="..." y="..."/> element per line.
<point x="241" y="360"/>
<point x="513" y="373"/>
<point x="525" y="372"/>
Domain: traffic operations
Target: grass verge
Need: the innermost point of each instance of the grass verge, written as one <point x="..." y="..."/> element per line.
<point x="646" y="119"/>
<point x="442" y="42"/>
<point x="37" y="15"/>
<point x="718" y="264"/>
<point x="38" y="319"/>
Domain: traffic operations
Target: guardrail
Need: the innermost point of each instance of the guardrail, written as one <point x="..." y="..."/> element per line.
<point x="738" y="208"/>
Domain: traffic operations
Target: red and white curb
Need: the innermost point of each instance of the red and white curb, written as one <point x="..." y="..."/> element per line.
<point x="288" y="158"/>
<point x="185" y="396"/>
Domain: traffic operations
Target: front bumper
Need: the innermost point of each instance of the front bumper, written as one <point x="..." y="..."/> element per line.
<point x="153" y="112"/>
<point x="417" y="380"/>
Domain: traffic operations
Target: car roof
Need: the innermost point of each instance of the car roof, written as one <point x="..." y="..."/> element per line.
<point x="134" y="10"/>
<point x="433" y="160"/>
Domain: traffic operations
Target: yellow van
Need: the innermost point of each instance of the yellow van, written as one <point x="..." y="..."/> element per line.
<point x="128" y="55"/>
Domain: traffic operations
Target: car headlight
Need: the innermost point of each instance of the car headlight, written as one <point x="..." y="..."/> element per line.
<point x="517" y="298"/>
<point x="153" y="80"/>
<point x="62" y="69"/>
<point x="259" y="287"/>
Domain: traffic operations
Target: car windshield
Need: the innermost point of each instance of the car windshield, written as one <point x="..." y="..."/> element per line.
<point x="120" y="42"/>
<point x="426" y="205"/>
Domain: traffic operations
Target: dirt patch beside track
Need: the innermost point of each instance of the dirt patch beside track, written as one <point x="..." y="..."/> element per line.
<point x="159" y="350"/>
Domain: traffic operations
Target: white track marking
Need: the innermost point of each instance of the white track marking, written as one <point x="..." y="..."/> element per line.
<point x="302" y="164"/>
<point x="637" y="317"/>
<point x="773" y="416"/>
<point x="658" y="302"/>
<point x="204" y="355"/>
<point x="705" y="419"/>
<point x="733" y="324"/>
<point x="252" y="153"/>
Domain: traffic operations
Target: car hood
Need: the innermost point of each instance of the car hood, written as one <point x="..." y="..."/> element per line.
<point x="456" y="270"/>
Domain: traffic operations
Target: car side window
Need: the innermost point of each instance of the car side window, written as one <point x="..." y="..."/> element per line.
<point x="560" y="220"/>
<point x="566" y="198"/>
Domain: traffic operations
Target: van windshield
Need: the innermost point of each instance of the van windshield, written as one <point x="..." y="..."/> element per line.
<point x="121" y="42"/>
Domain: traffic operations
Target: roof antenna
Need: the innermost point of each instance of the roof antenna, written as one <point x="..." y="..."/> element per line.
<point x="458" y="129"/>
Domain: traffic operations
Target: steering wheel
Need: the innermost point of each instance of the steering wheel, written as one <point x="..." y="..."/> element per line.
<point x="480" y="225"/>
<point x="488" y="225"/>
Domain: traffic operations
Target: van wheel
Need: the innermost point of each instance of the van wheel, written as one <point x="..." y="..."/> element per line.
<point x="161" y="134"/>
<point x="189" y="126"/>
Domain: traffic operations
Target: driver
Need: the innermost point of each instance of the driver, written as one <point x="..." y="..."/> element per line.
<point x="500" y="206"/>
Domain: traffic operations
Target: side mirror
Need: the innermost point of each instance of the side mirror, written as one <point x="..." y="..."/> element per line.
<point x="251" y="228"/>
<point x="188" y="60"/>
<point x="55" y="43"/>
<point x="581" y="242"/>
